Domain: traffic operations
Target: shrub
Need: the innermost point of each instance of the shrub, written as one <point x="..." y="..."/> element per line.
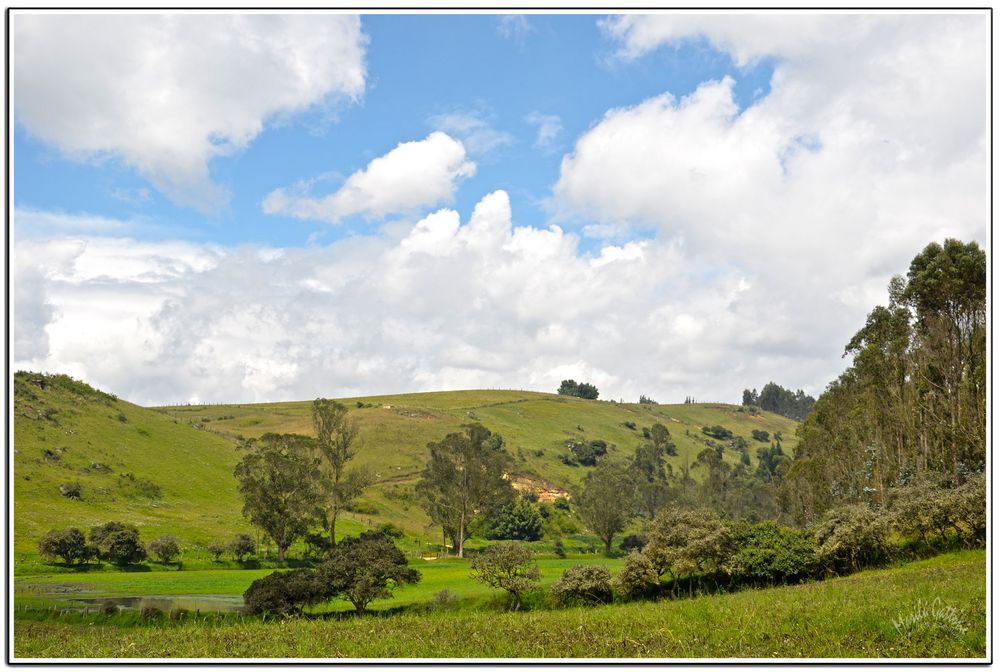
<point x="124" y="548"/>
<point x="760" y="435"/>
<point x="583" y="584"/>
<point x="717" y="432"/>
<point x="766" y="554"/>
<point x="687" y="542"/>
<point x="286" y="592"/>
<point x="969" y="507"/>
<point x="389" y="530"/>
<point x="69" y="544"/>
<point x="118" y="543"/>
<point x="317" y="544"/>
<point x="241" y="546"/>
<point x="366" y="568"/>
<point x="165" y="548"/>
<point x="850" y="538"/>
<point x="637" y="578"/>
<point x="562" y="504"/>
<point x="508" y="567"/>
<point x="520" y="521"/>
<point x="217" y="548"/>
<point x="444" y="599"/>
<point x="71" y="490"/>
<point x="632" y="542"/>
<point x="558" y="548"/>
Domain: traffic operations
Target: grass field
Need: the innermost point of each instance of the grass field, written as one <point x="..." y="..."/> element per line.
<point x="849" y="617"/>
<point x="46" y="590"/>
<point x="169" y="470"/>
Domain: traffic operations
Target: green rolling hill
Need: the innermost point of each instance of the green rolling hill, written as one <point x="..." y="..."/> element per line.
<point x="169" y="470"/>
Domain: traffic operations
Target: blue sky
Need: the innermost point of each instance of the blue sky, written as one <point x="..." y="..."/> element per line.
<point x="419" y="68"/>
<point x="237" y="208"/>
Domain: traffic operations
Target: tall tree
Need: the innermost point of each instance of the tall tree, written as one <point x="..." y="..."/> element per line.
<point x="278" y="478"/>
<point x="606" y="501"/>
<point x="335" y="437"/>
<point x="463" y="478"/>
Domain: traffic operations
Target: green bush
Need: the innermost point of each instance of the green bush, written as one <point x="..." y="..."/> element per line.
<point x="69" y="544"/>
<point x="519" y="521"/>
<point x="508" y="567"/>
<point x="286" y="592"/>
<point x="124" y="548"/>
<point x="583" y="584"/>
<point x="165" y="548"/>
<point x="637" y="578"/>
<point x="766" y="554"/>
<point x="217" y="549"/>
<point x="241" y="546"/>
<point x="850" y="538"/>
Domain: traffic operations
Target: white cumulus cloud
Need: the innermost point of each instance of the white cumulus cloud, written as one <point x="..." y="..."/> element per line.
<point x="411" y="176"/>
<point x="168" y="93"/>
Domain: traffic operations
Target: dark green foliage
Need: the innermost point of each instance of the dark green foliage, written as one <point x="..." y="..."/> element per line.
<point x="643" y="399"/>
<point x="365" y="568"/>
<point x="773" y="397"/>
<point x="850" y="538"/>
<point x="632" y="542"/>
<point x="509" y="567"/>
<point x="390" y="530"/>
<point x="464" y="475"/>
<point x="518" y="520"/>
<point x="69" y="544"/>
<point x="558" y="548"/>
<point x="931" y="510"/>
<point x="588" y="454"/>
<point x="574" y="389"/>
<point x="766" y="554"/>
<point x="286" y="592"/>
<point x="629" y="424"/>
<point x="637" y="579"/>
<point x="771" y="461"/>
<point x="71" y="490"/>
<point x="165" y="548"/>
<point x="359" y="569"/>
<point x="760" y="435"/>
<point x="583" y="584"/>
<point x="241" y="546"/>
<point x="123" y="548"/>
<point x="317" y="544"/>
<point x="278" y="479"/>
<point x="101" y="534"/>
<point x="562" y="504"/>
<point x="717" y="432"/>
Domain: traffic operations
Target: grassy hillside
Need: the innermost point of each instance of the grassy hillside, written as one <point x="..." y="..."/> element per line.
<point x="132" y="464"/>
<point x="851" y="617"/>
<point x="181" y="458"/>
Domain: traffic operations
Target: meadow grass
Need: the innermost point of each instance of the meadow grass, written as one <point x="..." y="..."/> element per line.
<point x="850" y="617"/>
<point x="453" y="574"/>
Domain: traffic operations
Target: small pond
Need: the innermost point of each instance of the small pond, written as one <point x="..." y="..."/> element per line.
<point x="165" y="603"/>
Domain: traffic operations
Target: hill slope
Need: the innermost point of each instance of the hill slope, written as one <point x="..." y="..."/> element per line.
<point x="189" y="452"/>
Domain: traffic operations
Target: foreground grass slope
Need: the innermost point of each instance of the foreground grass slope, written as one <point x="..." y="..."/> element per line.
<point x="169" y="470"/>
<point x="847" y="617"/>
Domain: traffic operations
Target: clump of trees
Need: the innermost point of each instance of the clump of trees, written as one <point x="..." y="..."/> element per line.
<point x="574" y="389"/>
<point x="519" y="520"/>
<point x="913" y="400"/>
<point x="118" y="543"/>
<point x="775" y="398"/>
<point x="606" y="501"/>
